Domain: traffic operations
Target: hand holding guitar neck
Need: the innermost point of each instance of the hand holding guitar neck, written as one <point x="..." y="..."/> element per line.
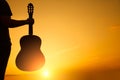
<point x="30" y="21"/>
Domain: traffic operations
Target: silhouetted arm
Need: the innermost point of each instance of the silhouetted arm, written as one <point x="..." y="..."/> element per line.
<point x="17" y="23"/>
<point x="11" y="23"/>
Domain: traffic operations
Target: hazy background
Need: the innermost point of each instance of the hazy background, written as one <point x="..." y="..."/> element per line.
<point x="76" y="35"/>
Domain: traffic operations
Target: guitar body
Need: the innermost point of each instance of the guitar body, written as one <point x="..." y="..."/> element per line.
<point x="30" y="57"/>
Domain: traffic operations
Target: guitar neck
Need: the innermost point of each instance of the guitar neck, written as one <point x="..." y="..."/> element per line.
<point x="30" y="12"/>
<point x="30" y="29"/>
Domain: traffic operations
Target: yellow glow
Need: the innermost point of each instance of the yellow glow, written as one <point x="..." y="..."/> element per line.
<point x="46" y="73"/>
<point x="74" y="33"/>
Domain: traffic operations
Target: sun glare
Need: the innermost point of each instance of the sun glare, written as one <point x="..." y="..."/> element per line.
<point x="45" y="73"/>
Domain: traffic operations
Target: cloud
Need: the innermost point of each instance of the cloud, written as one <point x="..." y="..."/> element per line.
<point x="115" y="28"/>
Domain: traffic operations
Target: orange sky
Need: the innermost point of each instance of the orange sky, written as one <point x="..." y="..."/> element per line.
<point x="74" y="33"/>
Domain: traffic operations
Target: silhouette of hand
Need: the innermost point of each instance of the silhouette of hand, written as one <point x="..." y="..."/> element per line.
<point x="30" y="21"/>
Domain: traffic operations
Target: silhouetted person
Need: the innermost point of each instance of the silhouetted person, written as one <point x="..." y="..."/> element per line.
<point x="5" y="43"/>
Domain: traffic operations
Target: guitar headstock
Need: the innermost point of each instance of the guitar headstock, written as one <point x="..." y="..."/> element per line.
<point x="30" y="9"/>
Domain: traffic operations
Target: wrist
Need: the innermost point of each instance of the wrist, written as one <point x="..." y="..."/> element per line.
<point x="27" y="21"/>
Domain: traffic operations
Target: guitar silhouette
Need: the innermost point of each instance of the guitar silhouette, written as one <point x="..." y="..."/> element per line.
<point x="30" y="57"/>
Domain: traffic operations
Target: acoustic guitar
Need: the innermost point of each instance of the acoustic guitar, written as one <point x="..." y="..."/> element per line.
<point x="30" y="57"/>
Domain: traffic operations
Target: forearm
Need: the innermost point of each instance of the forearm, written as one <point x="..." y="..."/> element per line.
<point x="17" y="23"/>
<point x="11" y="23"/>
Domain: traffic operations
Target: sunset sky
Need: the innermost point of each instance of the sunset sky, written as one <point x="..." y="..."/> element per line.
<point x="76" y="34"/>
